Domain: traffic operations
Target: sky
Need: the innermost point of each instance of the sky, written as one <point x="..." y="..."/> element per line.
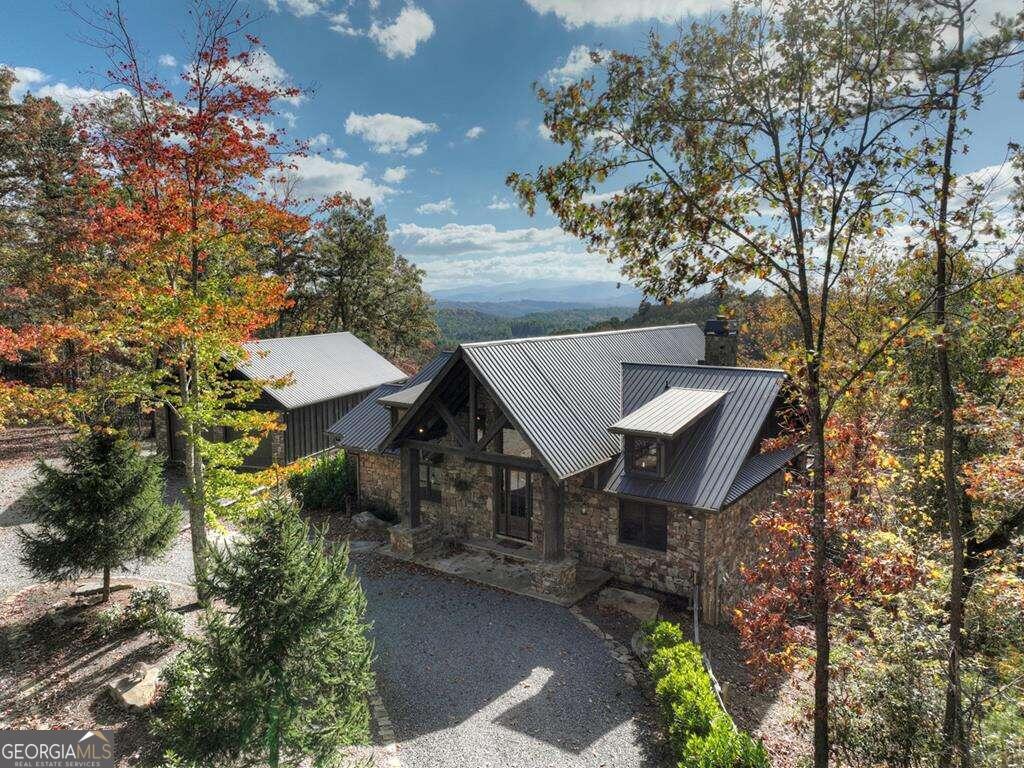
<point x="424" y="106"/>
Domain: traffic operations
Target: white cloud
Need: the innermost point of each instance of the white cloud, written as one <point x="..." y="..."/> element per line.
<point x="24" y="79"/>
<point x="316" y="176"/>
<point x="547" y="265"/>
<point x="341" y="24"/>
<point x="167" y="60"/>
<point x="400" y="37"/>
<point x="475" y="132"/>
<point x="263" y="71"/>
<point x="70" y="96"/>
<point x="299" y="7"/>
<point x="387" y="133"/>
<point x="576" y="64"/>
<point x="499" y="204"/>
<point x="462" y="239"/>
<point x="339" y="154"/>
<point x="320" y="140"/>
<point x="608" y="13"/>
<point x="996" y="183"/>
<point x="543" y="131"/>
<point x="594" y="198"/>
<point x="441" y="206"/>
<point x="396" y="174"/>
<point x="290" y="118"/>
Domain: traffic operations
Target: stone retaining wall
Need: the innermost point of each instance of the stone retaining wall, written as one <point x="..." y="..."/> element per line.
<point x="380" y="480"/>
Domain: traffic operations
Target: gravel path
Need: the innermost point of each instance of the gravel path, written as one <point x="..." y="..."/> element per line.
<point x="475" y="677"/>
<point x="16" y="476"/>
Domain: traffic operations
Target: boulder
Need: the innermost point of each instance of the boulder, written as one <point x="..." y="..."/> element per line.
<point x="367" y="521"/>
<point x="136" y="690"/>
<point x="643" y="607"/>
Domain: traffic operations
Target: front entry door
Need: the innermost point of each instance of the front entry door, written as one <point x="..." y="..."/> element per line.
<point x="514" y="502"/>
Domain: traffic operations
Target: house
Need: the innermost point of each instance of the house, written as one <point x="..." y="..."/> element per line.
<point x="638" y="452"/>
<point x="330" y="373"/>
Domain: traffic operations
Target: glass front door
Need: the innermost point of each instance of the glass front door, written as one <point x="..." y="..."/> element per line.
<point x="514" y="502"/>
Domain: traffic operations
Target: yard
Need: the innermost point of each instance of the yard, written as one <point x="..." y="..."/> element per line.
<point x="468" y="675"/>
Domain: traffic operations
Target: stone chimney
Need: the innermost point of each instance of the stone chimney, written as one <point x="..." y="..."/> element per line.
<point x="720" y="343"/>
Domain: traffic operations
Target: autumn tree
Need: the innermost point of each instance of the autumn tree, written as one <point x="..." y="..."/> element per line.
<point x="768" y="144"/>
<point x="350" y="278"/>
<point x="178" y="198"/>
<point x="956" y="66"/>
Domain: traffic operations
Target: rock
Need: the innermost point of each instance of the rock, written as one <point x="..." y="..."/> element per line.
<point x="643" y="607"/>
<point x="67" y="619"/>
<point x="368" y="521"/>
<point x="641" y="648"/>
<point x="136" y="690"/>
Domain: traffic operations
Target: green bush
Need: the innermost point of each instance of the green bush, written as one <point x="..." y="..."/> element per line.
<point x="324" y="486"/>
<point x="701" y="734"/>
<point x="150" y="610"/>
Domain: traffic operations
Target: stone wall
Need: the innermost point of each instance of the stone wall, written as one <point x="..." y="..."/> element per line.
<point x="729" y="543"/>
<point x="466" y="509"/>
<point x="380" y="479"/>
<point x="592" y="535"/>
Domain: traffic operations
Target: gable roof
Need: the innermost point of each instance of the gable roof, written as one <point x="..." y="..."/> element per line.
<point x="322" y="366"/>
<point x="563" y="392"/>
<point x="364" y="427"/>
<point x="669" y="413"/>
<point x="709" y="461"/>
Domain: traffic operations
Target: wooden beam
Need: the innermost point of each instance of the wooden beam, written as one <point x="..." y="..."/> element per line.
<point x="472" y="410"/>
<point x="410" y="486"/>
<point x="554" y="519"/>
<point x="453" y="425"/>
<point x="472" y="454"/>
<point x="494" y="431"/>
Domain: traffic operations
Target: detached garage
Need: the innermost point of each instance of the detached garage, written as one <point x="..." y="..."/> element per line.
<point x="331" y="373"/>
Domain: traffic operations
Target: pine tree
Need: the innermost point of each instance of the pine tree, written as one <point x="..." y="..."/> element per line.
<point x="104" y="511"/>
<point x="284" y="672"/>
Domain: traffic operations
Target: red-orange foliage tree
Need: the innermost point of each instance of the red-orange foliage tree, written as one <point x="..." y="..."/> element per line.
<point x="178" y="204"/>
<point x="866" y="562"/>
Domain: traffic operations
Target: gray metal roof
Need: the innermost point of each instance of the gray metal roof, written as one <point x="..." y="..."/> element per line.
<point x="564" y="391"/>
<point x="364" y="427"/>
<point x="403" y="398"/>
<point x="322" y="367"/>
<point x="710" y="459"/>
<point x="758" y="468"/>
<point x="669" y="413"/>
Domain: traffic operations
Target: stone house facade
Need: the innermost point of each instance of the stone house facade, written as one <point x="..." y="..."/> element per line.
<point x="524" y="444"/>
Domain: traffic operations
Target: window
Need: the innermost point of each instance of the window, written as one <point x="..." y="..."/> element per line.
<point x="643" y="525"/>
<point x="430" y="477"/>
<point x="644" y="455"/>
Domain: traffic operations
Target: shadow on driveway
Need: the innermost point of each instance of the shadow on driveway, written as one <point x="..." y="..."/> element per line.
<point x="476" y="677"/>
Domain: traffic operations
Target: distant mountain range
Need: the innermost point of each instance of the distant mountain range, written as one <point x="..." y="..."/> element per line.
<point x="541" y="295"/>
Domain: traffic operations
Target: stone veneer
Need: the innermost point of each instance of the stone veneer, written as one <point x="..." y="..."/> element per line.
<point x="379" y="480"/>
<point x="729" y="543"/>
<point x="721" y="542"/>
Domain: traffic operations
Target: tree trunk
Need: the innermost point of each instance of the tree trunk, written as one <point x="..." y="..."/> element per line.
<point x="106" y="583"/>
<point x="954" y="739"/>
<point x="194" y="481"/>
<point x="822" y="641"/>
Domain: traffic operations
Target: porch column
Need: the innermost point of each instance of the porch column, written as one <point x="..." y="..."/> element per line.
<point x="410" y="486"/>
<point x="554" y="518"/>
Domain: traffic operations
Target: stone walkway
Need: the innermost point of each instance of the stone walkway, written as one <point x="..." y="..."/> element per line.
<point x="472" y="676"/>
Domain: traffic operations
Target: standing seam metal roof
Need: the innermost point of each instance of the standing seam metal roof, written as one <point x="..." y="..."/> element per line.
<point x="758" y="468"/>
<point x="564" y="391"/>
<point x="322" y="367"/>
<point x="364" y="427"/>
<point x="710" y="459"/>
<point x="669" y="413"/>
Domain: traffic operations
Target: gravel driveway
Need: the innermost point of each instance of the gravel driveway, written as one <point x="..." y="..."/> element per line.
<point x="16" y="475"/>
<point x="475" y="677"/>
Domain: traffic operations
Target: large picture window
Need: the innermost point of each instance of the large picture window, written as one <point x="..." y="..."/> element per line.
<point x="645" y="455"/>
<point x="430" y="477"/>
<point x="643" y="525"/>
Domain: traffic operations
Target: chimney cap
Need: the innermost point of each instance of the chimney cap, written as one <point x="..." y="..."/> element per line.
<point x="718" y="326"/>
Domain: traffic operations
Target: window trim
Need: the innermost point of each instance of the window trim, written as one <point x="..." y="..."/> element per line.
<point x="643" y="541"/>
<point x="631" y="451"/>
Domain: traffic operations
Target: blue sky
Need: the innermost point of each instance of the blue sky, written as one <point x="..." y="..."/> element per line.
<point x="424" y="106"/>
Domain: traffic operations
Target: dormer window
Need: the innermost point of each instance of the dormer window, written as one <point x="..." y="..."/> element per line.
<point x="645" y="455"/>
